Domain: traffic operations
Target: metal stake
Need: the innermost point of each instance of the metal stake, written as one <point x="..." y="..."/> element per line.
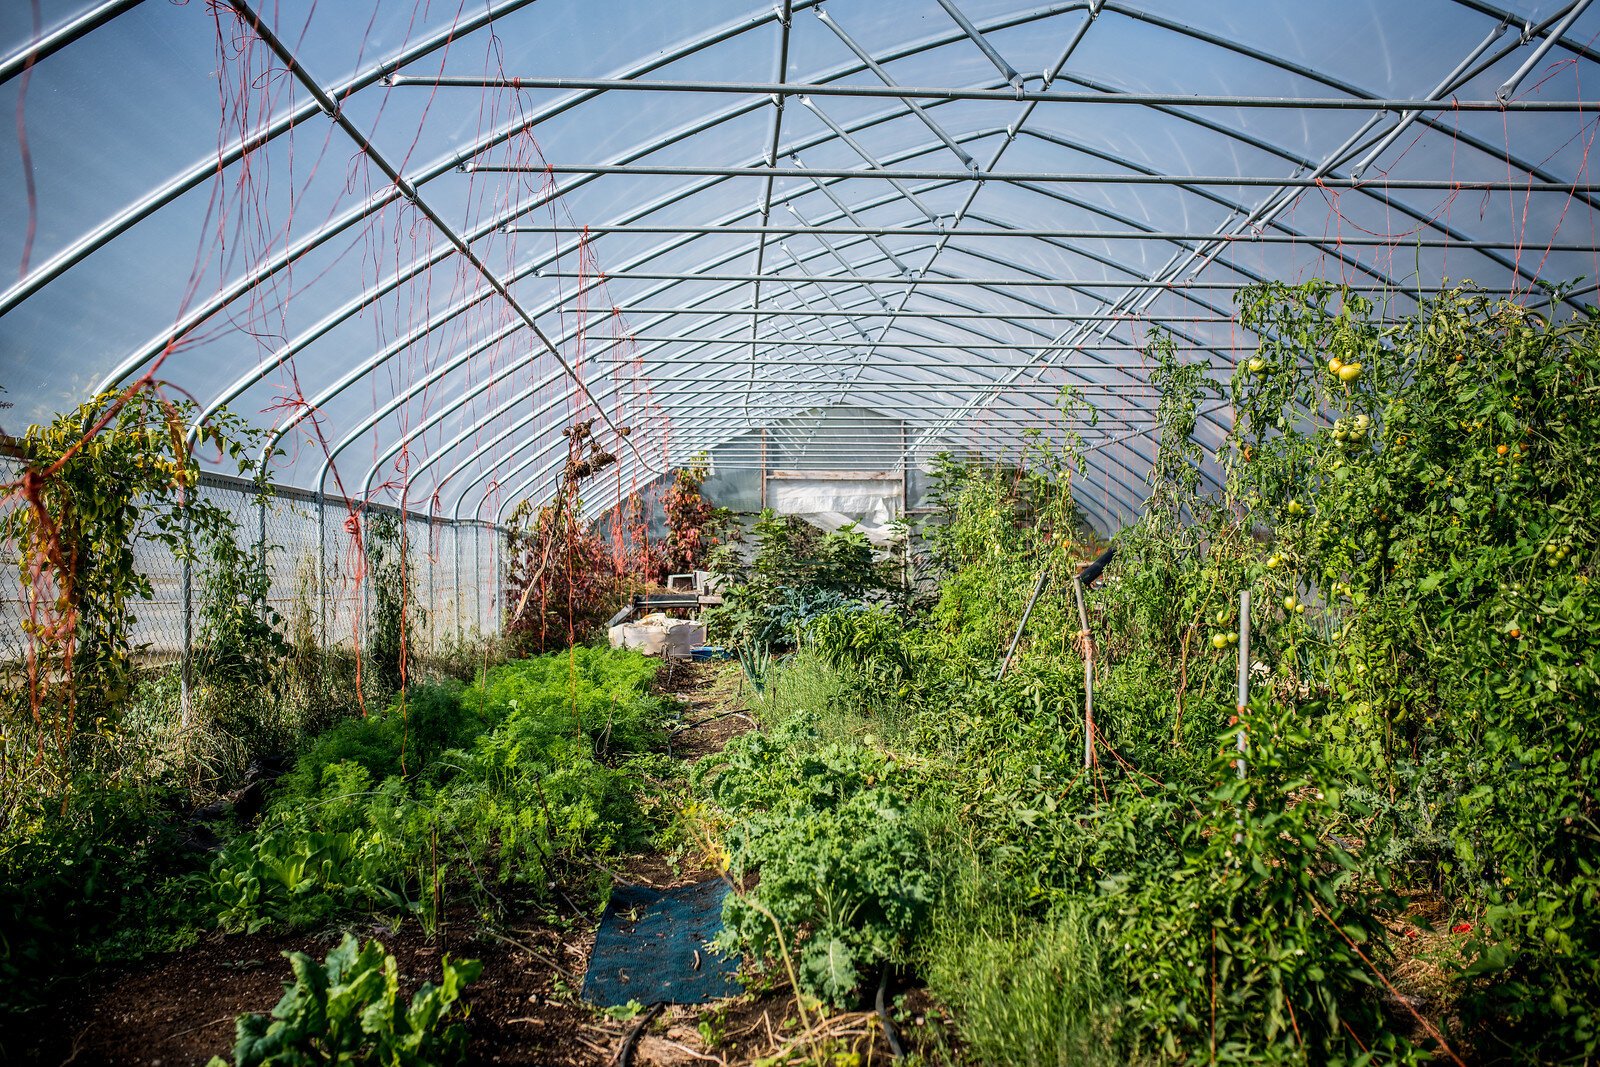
<point x="186" y="658"/>
<point x="1244" y="671"/>
<point x="1088" y="675"/>
<point x="1033" y="598"/>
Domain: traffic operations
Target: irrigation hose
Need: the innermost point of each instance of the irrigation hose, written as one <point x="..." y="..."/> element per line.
<point x="630" y="1040"/>
<point x="888" y="1024"/>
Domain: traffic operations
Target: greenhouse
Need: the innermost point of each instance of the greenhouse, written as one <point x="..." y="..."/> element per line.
<point x="831" y="532"/>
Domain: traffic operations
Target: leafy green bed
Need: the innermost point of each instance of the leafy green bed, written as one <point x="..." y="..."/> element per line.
<point x="506" y="784"/>
<point x="484" y="794"/>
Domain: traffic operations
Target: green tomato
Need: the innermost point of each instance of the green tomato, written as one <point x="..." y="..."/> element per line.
<point x="1289" y="603"/>
<point x="1257" y="365"/>
<point x="1219" y="641"/>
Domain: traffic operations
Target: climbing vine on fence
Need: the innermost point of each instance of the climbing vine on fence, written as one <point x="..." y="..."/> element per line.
<point x="116" y="470"/>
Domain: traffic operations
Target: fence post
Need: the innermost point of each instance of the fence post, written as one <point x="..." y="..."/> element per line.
<point x="366" y="579"/>
<point x="432" y="556"/>
<point x="494" y="576"/>
<point x="322" y="570"/>
<point x="261" y="543"/>
<point x="1244" y="671"/>
<point x="407" y="582"/>
<point x="477" y="578"/>
<point x="186" y="653"/>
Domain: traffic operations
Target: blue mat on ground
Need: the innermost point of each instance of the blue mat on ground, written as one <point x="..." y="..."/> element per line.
<point x="652" y="947"/>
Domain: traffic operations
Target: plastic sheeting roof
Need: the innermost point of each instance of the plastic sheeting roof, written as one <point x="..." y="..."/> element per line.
<point x="417" y="238"/>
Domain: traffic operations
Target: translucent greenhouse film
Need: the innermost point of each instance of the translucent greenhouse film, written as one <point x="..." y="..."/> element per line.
<point x="357" y="357"/>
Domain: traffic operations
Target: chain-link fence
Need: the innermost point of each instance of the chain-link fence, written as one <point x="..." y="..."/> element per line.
<point x="319" y="581"/>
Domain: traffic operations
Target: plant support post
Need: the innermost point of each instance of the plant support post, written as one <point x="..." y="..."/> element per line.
<point x="1088" y="673"/>
<point x="1033" y="598"/>
<point x="1244" y="672"/>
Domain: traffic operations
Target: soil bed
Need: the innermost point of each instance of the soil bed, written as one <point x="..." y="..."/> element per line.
<point x="179" y="1008"/>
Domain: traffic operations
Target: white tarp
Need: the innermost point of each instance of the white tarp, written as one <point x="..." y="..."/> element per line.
<point x="831" y="499"/>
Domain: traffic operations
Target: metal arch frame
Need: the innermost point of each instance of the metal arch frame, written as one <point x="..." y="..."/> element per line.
<point x="452" y="160"/>
<point x="427" y="381"/>
<point x="628" y="471"/>
<point x="49" y="42"/>
<point x="441" y="453"/>
<point x="714" y="35"/>
<point x="1109" y="472"/>
<point x="384" y="197"/>
<point x="934" y="279"/>
<point x="1275" y="150"/>
<point x="485" y="474"/>
<point x="361" y="300"/>
<point x="1331" y="160"/>
<point x="1361" y="100"/>
<point x="92" y="19"/>
<point x="933" y="386"/>
<point x="186" y="181"/>
<point x="1071" y="248"/>
<point x="499" y="484"/>
<point x="416" y="267"/>
<point x="1465" y="242"/>
<point x="693" y="46"/>
<point x="450" y="314"/>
